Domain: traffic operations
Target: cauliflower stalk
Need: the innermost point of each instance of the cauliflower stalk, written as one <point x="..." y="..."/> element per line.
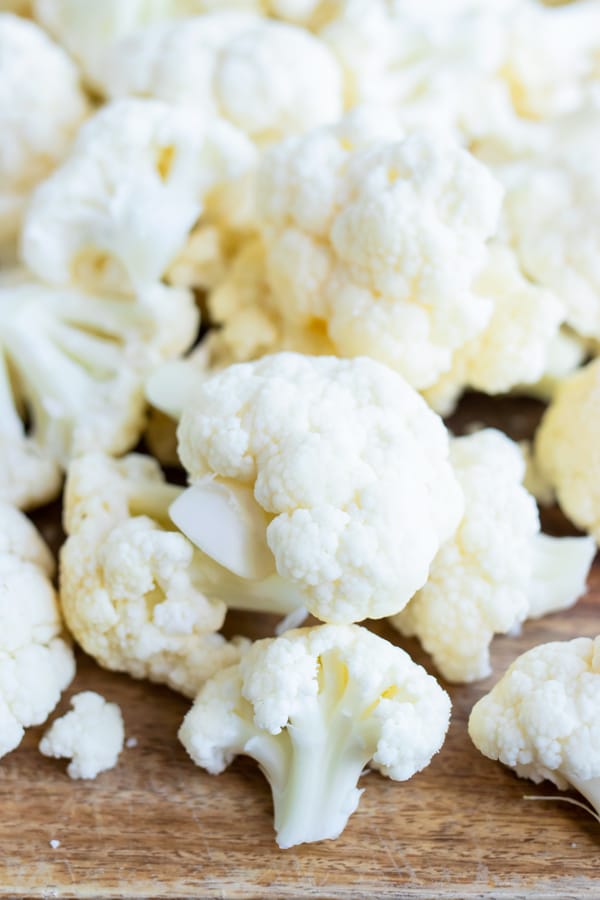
<point x="313" y="708"/>
<point x="541" y="718"/>
<point x="91" y="735"/>
<point x="36" y="661"/>
<point x="497" y="569"/>
<point x="344" y="503"/>
<point x="72" y="367"/>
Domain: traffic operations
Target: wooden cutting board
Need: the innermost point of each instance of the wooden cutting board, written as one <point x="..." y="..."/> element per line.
<point x="157" y="826"/>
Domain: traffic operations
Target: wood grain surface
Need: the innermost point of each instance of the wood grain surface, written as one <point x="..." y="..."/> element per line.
<point x="157" y="826"/>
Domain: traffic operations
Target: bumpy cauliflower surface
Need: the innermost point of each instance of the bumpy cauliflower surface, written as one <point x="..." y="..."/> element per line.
<point x="267" y="78"/>
<point x="497" y="570"/>
<point x="36" y="662"/>
<point x="541" y="719"/>
<point x="314" y="707"/>
<point x="118" y="211"/>
<point x="567" y="447"/>
<point x="72" y="368"/>
<point x="129" y="587"/>
<point x="339" y="473"/>
<point x="41" y="108"/>
<point x="91" y="735"/>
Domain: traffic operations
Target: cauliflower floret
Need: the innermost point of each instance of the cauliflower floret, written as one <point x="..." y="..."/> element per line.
<point x="314" y="707"/>
<point x="94" y="221"/>
<point x="497" y="570"/>
<point x="567" y="447"/>
<point x="541" y="719"/>
<point x="346" y="501"/>
<point x="91" y="736"/>
<point x="41" y="108"/>
<point x="515" y="348"/>
<point x="72" y="368"/>
<point x="267" y="78"/>
<point x="36" y="662"/>
<point x="131" y="590"/>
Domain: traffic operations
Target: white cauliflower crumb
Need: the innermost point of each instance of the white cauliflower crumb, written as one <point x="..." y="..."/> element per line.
<point x="131" y="742"/>
<point x="54" y="844"/>
<point x="91" y="736"/>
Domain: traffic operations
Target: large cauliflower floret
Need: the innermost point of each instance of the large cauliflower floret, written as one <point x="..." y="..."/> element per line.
<point x="567" y="447"/>
<point x="36" y="662"/>
<point x="41" y="108"/>
<point x="517" y="346"/>
<point x="267" y="78"/>
<point x="562" y="188"/>
<point x="118" y="211"/>
<point x="330" y="474"/>
<point x="497" y="570"/>
<point x="72" y="368"/>
<point x="542" y="718"/>
<point x="313" y="708"/>
<point x="378" y="246"/>
<point x="91" y="735"/>
<point x="129" y="586"/>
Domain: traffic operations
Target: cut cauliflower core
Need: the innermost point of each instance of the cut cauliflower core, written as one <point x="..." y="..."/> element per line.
<point x="314" y="707"/>
<point x="91" y="735"/>
<point x="72" y="367"/>
<point x="36" y="662"/>
<point x="541" y="719"/>
<point x="331" y="476"/>
<point x="131" y="589"/>
<point x="497" y="570"/>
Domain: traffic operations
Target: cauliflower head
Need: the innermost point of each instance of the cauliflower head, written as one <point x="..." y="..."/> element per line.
<point x="36" y="661"/>
<point x="129" y="587"/>
<point x="332" y="474"/>
<point x="267" y="78"/>
<point x="567" y="447"/>
<point x="541" y="718"/>
<point x="91" y="735"/>
<point x="41" y="108"/>
<point x="313" y="708"/>
<point x="72" y="369"/>
<point x="497" y="569"/>
<point x="95" y="221"/>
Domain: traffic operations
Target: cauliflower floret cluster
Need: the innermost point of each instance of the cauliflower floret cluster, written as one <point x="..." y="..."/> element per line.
<point x="36" y="660"/>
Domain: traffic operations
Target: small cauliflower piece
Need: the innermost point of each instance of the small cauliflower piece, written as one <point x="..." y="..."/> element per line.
<point x="131" y="588"/>
<point x="267" y="78"/>
<point x="41" y="108"/>
<point x="72" y="368"/>
<point x="117" y="212"/>
<point x="541" y="718"/>
<point x="313" y="708"/>
<point x="36" y="661"/>
<point x="497" y="569"/>
<point x="91" y="736"/>
<point x="329" y="479"/>
<point x="376" y="245"/>
<point x="567" y="447"/>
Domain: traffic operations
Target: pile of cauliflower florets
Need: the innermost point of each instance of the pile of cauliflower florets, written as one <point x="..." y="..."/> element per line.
<point x="349" y="213"/>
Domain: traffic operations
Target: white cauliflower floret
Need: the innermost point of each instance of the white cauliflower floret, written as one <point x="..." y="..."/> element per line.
<point x="118" y="211"/>
<point x="551" y="217"/>
<point x="91" y="735"/>
<point x="497" y="570"/>
<point x="543" y="717"/>
<point x="344" y="502"/>
<point x="377" y="247"/>
<point x="41" y="108"/>
<point x="313" y="708"/>
<point x="516" y="346"/>
<point x="267" y="78"/>
<point x="36" y="662"/>
<point x="567" y="447"/>
<point x="130" y="586"/>
<point x="72" y="368"/>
